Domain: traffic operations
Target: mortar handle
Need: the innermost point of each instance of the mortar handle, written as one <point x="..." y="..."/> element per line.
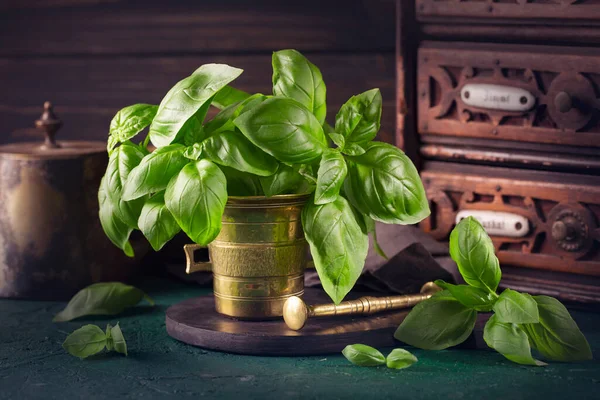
<point x="191" y="264"/>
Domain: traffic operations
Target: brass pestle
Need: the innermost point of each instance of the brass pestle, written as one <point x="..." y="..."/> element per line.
<point x="296" y="311"/>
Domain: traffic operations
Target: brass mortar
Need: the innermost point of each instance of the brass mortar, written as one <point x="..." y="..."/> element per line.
<point x="258" y="258"/>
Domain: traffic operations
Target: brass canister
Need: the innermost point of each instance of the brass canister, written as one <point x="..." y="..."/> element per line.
<point x="258" y="258"/>
<point x="51" y="240"/>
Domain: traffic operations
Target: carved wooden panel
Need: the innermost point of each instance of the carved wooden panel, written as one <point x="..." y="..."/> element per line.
<point x="506" y="11"/>
<point x="564" y="82"/>
<point x="562" y="210"/>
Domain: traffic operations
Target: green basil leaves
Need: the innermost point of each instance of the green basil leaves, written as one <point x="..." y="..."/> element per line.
<point x="128" y="122"/>
<point x="363" y="355"/>
<point x="330" y="178"/>
<point x="338" y="245"/>
<point x="189" y="96"/>
<point x="520" y="322"/>
<point x="155" y="171"/>
<point x="473" y="251"/>
<point x="367" y="356"/>
<point x="297" y="78"/>
<point x="107" y="298"/>
<point x="196" y="197"/>
<point x="359" y="118"/>
<point x="157" y="223"/>
<point x="437" y="323"/>
<point x="384" y="184"/>
<point x="259" y="145"/>
<point x="90" y="339"/>
<point x="285" y="129"/>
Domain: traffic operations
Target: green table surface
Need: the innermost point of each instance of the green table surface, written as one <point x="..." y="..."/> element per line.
<point x="34" y="365"/>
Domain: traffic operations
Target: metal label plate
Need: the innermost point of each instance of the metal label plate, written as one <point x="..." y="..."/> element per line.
<point x="497" y="223"/>
<point x="497" y="97"/>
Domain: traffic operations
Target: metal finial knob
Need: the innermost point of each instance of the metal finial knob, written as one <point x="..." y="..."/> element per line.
<point x="50" y="124"/>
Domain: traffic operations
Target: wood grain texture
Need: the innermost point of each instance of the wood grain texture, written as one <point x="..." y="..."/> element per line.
<point x="109" y="27"/>
<point x="87" y="92"/>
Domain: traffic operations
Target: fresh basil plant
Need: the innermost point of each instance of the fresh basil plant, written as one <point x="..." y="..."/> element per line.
<point x="259" y="145"/>
<point x="519" y="324"/>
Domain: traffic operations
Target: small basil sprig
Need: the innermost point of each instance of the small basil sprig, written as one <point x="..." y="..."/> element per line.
<point x="520" y="322"/>
<point x="106" y="298"/>
<point x="367" y="356"/>
<point x="90" y="339"/>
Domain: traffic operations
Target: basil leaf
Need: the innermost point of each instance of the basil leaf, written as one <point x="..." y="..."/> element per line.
<point x="331" y="175"/>
<point x="193" y="131"/>
<point x="285" y="129"/>
<point x="223" y="121"/>
<point x="363" y="355"/>
<point x="307" y="171"/>
<point x="117" y="340"/>
<point x="359" y="118"/>
<point x="241" y="183"/>
<point x="384" y="184"/>
<point x="516" y="308"/>
<point x="120" y="164"/>
<point x="189" y="96"/>
<point x="400" y="359"/>
<point x="157" y="223"/>
<point x="228" y="96"/>
<point x="115" y="229"/>
<point x="106" y="298"/>
<point x="284" y="180"/>
<point x="353" y="149"/>
<point x="337" y="243"/>
<point x="510" y="341"/>
<point x="128" y="122"/>
<point x="473" y="251"/>
<point x="472" y="297"/>
<point x="296" y="77"/>
<point x="338" y="139"/>
<point x="437" y="323"/>
<point x="232" y="149"/>
<point x="155" y="171"/>
<point x="557" y="336"/>
<point x="196" y="197"/>
<point x="85" y="341"/>
<point x="193" y="152"/>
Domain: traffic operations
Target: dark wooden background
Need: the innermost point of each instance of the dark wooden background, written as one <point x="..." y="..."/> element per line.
<point x="93" y="57"/>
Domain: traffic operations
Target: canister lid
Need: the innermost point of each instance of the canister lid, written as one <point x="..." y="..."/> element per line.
<point x="49" y="123"/>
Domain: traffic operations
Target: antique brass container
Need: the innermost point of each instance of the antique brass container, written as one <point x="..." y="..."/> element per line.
<point x="258" y="258"/>
<point x="51" y="241"/>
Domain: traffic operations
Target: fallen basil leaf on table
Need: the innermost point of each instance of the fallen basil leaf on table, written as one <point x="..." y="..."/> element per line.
<point x="557" y="336"/>
<point x="90" y="339"/>
<point x="117" y="340"/>
<point x="363" y="355"/>
<point x="509" y="340"/>
<point x="521" y="322"/>
<point x="437" y="323"/>
<point x="85" y="341"/>
<point x="516" y="308"/>
<point x="400" y="359"/>
<point x="106" y="298"/>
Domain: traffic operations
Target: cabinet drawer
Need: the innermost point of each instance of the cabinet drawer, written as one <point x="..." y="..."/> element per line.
<point x="522" y="93"/>
<point x="536" y="219"/>
<point x="578" y="12"/>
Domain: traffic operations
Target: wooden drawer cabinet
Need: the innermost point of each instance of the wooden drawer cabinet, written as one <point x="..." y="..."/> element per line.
<point x="519" y="93"/>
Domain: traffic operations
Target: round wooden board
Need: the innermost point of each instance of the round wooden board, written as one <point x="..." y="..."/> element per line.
<point x="196" y="322"/>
